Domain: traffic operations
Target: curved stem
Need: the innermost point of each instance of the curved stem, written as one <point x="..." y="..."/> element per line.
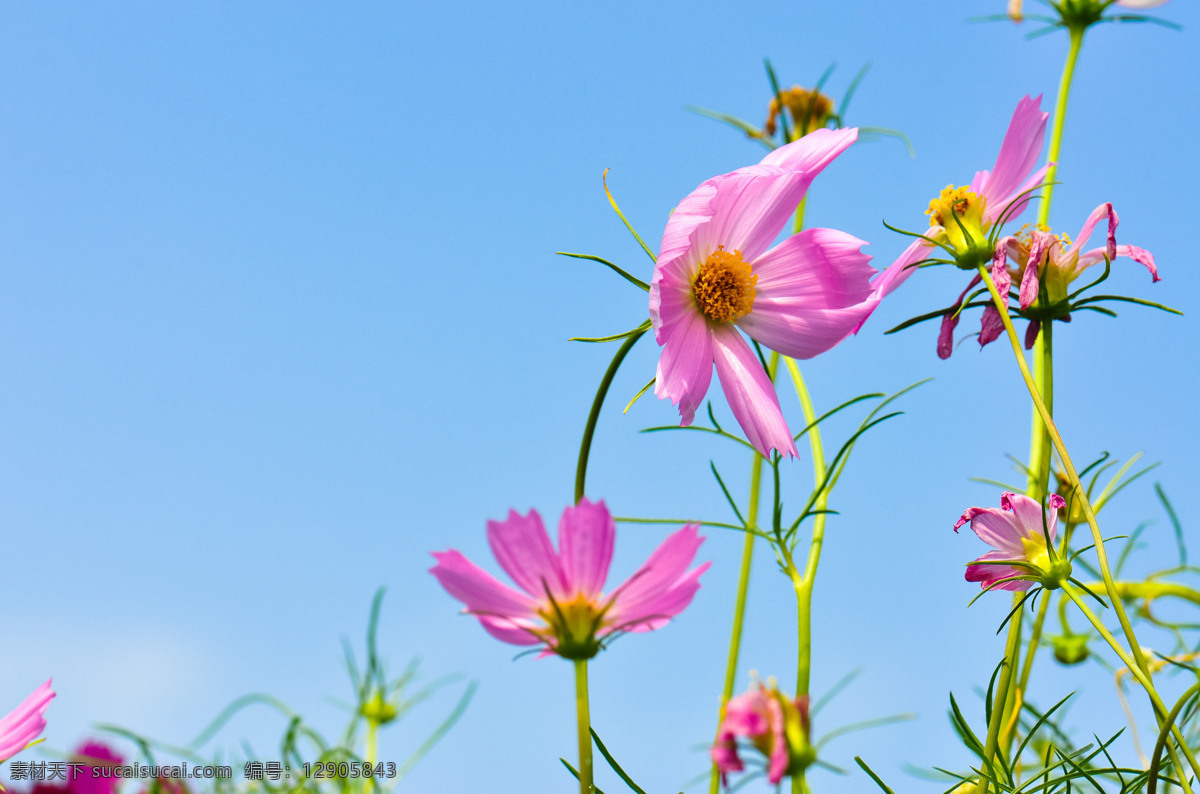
<point x="589" y="429"/>
<point x="1156" y="759"/>
<point x="804" y="584"/>
<point x="1060" y="117"/>
<point x="739" y="609"/>
<point x="1143" y="678"/>
<point x="584" y="724"/>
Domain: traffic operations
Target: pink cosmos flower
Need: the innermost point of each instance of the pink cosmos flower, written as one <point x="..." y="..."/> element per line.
<point x="1015" y="6"/>
<point x="717" y="272"/>
<point x="777" y="727"/>
<point x="24" y="723"/>
<point x="560" y="604"/>
<point x="93" y="756"/>
<point x="1040" y="257"/>
<point x="962" y="218"/>
<point x="1016" y="533"/>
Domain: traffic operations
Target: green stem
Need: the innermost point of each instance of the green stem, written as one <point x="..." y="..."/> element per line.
<point x="1060" y="117"/>
<point x="1012" y="649"/>
<point x="1143" y="677"/>
<point x="739" y="609"/>
<point x="804" y="584"/>
<point x="584" y="720"/>
<point x="589" y="429"/>
<point x="1156" y="759"/>
<point x="1039" y="440"/>
<point x="1152" y="590"/>
<point x="372" y="751"/>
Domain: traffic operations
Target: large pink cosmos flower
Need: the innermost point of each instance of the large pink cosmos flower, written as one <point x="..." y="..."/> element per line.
<point x="776" y="726"/>
<point x="24" y="723"/>
<point x="1040" y="258"/>
<point x="716" y="273"/>
<point x="562" y="606"/>
<point x="1017" y="535"/>
<point x="962" y="218"/>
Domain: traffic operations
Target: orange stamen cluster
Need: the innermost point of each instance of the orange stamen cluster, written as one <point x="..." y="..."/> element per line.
<point x="724" y="287"/>
<point x="956" y="200"/>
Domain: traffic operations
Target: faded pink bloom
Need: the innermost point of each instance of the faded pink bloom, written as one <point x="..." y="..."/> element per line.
<point x="560" y="604"/>
<point x="24" y="723"/>
<point x="777" y="727"/>
<point x="717" y="272"/>
<point x="962" y="218"/>
<point x="1057" y="262"/>
<point x="1017" y="535"/>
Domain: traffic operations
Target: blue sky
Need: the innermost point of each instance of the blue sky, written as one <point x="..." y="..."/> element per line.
<point x="280" y="313"/>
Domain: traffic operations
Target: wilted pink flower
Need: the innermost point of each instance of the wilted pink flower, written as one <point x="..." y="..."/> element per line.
<point x="94" y="777"/>
<point x="715" y="275"/>
<point x="1017" y="533"/>
<point x="24" y="723"/>
<point x="562" y="606"/>
<point x="962" y="218"/>
<point x="1038" y="257"/>
<point x="776" y="726"/>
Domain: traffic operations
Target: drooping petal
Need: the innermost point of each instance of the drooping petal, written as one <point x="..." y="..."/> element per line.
<point x="812" y="292"/>
<point x="778" y="764"/>
<point x="1031" y="333"/>
<point x="1020" y="150"/>
<point x="990" y="325"/>
<point x="686" y="364"/>
<point x="750" y="393"/>
<point x="586" y="533"/>
<point x="945" y="346"/>
<point x="1139" y="255"/>
<point x="1104" y="211"/>
<point x="477" y="589"/>
<point x="522" y="547"/>
<point x="24" y="723"/>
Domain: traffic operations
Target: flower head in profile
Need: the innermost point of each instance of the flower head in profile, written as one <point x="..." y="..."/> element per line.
<point x="561" y="604"/>
<point x="775" y="726"/>
<point x="1022" y="536"/>
<point x="809" y="109"/>
<point x="965" y="221"/>
<point x="25" y="723"/>
<point x="717" y="274"/>
<point x="1081" y="12"/>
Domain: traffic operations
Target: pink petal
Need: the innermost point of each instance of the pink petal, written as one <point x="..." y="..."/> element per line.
<point x="1021" y="148"/>
<point x="1028" y="514"/>
<point x="1100" y="213"/>
<point x="812" y="153"/>
<point x="1010" y="206"/>
<point x="749" y="210"/>
<point x="779" y="751"/>
<point x="999" y="269"/>
<point x="990" y="326"/>
<point x="995" y="528"/>
<point x="994" y="573"/>
<point x="477" y="589"/>
<point x="686" y="364"/>
<point x="522" y="547"/>
<point x="662" y="587"/>
<point x="949" y="322"/>
<point x="514" y="632"/>
<point x="586" y="533"/>
<point x="811" y="292"/>
<point x="746" y="714"/>
<point x="1031" y="333"/>
<point x="1139" y="255"/>
<point x="750" y="393"/>
<point x="1141" y="3"/>
<point x="904" y="266"/>
<point x="24" y="723"/>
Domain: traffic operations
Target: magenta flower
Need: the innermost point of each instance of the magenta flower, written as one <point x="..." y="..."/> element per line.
<point x="1020" y="556"/>
<point x="560" y="604"/>
<point x="716" y="273"/>
<point x="962" y="219"/>
<point x="776" y="726"/>
<point x="93" y="756"/>
<point x="24" y="723"/>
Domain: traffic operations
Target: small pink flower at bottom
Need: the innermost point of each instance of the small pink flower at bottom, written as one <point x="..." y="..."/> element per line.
<point x="561" y="604"/>
<point x="776" y="726"/>
<point x="24" y="723"/>
<point x="1021" y="557"/>
<point x="91" y="757"/>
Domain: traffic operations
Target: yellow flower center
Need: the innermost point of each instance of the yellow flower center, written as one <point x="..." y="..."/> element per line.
<point x="724" y="286"/>
<point x="953" y="201"/>
<point x="573" y="625"/>
<point x="960" y="214"/>
<point x="1035" y="551"/>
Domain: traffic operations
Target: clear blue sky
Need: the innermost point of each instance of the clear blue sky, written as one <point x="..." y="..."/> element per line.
<point x="280" y="313"/>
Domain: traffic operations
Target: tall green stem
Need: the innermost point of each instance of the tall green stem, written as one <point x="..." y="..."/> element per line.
<point x="1039" y="443"/>
<point x="584" y="722"/>
<point x="1139" y="666"/>
<point x="1012" y="650"/>
<point x="739" y="609"/>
